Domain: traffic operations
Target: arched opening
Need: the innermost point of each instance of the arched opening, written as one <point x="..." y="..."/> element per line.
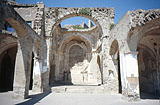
<point x="7" y="65"/>
<point x="148" y="63"/>
<point x="24" y="34"/>
<point x="148" y="47"/>
<point x="77" y="22"/>
<point x="74" y="56"/>
<point x="72" y="49"/>
<point x="145" y="39"/>
<point x="23" y="62"/>
<point x="114" y="52"/>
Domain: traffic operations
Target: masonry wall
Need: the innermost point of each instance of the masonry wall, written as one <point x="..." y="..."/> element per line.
<point x="110" y="57"/>
<point x="52" y="17"/>
<point x="129" y="31"/>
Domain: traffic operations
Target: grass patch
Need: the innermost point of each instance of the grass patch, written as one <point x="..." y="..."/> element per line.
<point x="78" y="27"/>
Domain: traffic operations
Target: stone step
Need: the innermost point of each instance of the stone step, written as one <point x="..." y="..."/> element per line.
<point x="77" y="89"/>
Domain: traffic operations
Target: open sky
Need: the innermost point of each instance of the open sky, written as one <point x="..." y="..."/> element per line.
<point x="121" y="6"/>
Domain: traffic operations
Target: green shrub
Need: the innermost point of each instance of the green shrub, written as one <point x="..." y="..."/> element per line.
<point x="85" y="12"/>
<point x="111" y="26"/>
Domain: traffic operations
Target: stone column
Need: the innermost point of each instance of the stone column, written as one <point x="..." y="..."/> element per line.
<point x="46" y="64"/>
<point x="37" y="81"/>
<point x="22" y="69"/>
<point x="123" y="73"/>
<point x="45" y="77"/>
<point x="132" y="75"/>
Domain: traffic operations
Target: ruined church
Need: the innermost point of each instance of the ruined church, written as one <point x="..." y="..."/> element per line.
<point x="38" y="54"/>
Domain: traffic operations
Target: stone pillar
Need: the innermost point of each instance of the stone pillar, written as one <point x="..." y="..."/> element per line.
<point x="123" y="73"/>
<point x="46" y="65"/>
<point x="94" y="73"/>
<point x="45" y="78"/>
<point x="37" y="82"/>
<point x="132" y="76"/>
<point x="22" y="69"/>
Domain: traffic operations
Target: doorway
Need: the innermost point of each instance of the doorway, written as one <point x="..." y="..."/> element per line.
<point x="7" y="65"/>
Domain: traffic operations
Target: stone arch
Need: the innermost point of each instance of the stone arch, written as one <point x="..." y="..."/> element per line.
<point x="23" y="57"/>
<point x="17" y="22"/>
<point x="68" y="38"/>
<point x="65" y="47"/>
<point x="7" y="41"/>
<point x="18" y="27"/>
<point x="72" y="14"/>
<point x="144" y="25"/>
<point x="25" y="35"/>
<point x="65" y="16"/>
<point x="92" y="35"/>
<point x="153" y="55"/>
<point x="79" y="48"/>
<point x="145" y="39"/>
<point x="148" y="48"/>
<point x="137" y="33"/>
<point x="114" y="53"/>
<point x="97" y="14"/>
<point x="114" y="47"/>
<point x="8" y="46"/>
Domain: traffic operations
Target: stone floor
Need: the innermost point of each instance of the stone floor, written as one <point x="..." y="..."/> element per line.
<point x="72" y="99"/>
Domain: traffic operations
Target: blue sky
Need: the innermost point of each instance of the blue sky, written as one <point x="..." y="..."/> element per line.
<point x="121" y="6"/>
<point x="75" y="21"/>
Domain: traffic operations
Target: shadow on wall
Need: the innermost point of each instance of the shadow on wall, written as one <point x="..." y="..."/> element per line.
<point x="33" y="99"/>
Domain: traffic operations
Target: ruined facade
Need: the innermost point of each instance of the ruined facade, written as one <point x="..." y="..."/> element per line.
<point x="124" y="59"/>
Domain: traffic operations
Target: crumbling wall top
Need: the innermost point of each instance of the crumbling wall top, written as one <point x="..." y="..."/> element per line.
<point x="92" y="12"/>
<point x="141" y="17"/>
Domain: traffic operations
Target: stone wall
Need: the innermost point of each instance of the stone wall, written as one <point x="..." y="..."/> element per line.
<point x="100" y="16"/>
<point x="25" y="35"/>
<point x="129" y="31"/>
<point x="86" y="40"/>
<point x="103" y="56"/>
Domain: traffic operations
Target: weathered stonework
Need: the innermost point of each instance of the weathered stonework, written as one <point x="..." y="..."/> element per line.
<point x="137" y="31"/>
<point x="124" y="59"/>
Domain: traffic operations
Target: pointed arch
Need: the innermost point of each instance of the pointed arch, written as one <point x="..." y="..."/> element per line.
<point x="114" y="53"/>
